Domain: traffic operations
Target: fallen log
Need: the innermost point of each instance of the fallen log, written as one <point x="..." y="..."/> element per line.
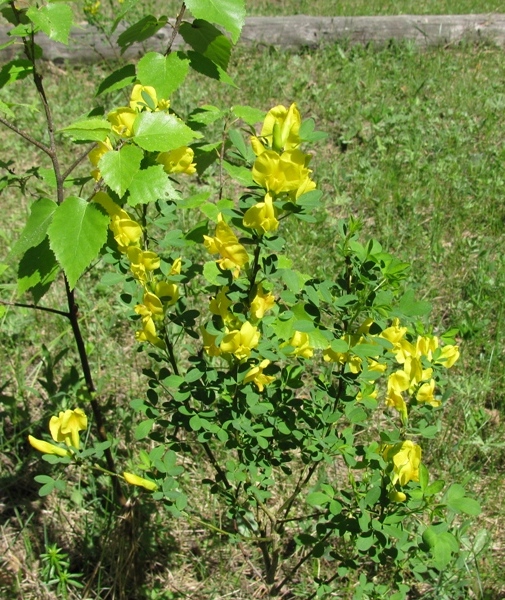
<point x="89" y="45"/>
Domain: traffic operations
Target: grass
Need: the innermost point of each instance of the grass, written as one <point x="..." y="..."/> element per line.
<point x="415" y="149"/>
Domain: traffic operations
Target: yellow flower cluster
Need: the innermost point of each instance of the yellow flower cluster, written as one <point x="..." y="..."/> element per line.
<point x="143" y="98"/>
<point x="281" y="168"/>
<point x="240" y="338"/>
<point x="225" y="243"/>
<point x="404" y="459"/>
<point x="413" y="377"/>
<point x="64" y="429"/>
<point x="158" y="294"/>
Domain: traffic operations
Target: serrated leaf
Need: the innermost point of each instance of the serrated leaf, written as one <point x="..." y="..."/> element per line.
<point x="248" y="114"/>
<point x="203" y="65"/>
<point x="76" y="234"/>
<point x="150" y="185"/>
<point x="15" y="70"/>
<point x="206" y="39"/>
<point x="119" y="167"/>
<point x="37" y="270"/>
<point x="117" y="80"/>
<point x="35" y="229"/>
<point x="92" y="130"/>
<point x="161" y="132"/>
<point x="140" y="31"/>
<point x="230" y="14"/>
<point x="54" y="19"/>
<point x="143" y="429"/>
<point x="164" y="73"/>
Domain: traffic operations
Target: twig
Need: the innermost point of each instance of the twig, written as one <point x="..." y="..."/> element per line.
<point x="36" y="307"/>
<point x="175" y="31"/>
<point x="77" y="161"/>
<point x="27" y="137"/>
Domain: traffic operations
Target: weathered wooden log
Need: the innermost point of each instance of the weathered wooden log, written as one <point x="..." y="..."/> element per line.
<point x="88" y="45"/>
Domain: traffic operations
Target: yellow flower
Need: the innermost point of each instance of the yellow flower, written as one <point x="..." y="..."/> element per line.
<point x="220" y="304"/>
<point x="261" y="302"/>
<point x="66" y="426"/>
<point x="151" y="307"/>
<point x="240" y="342"/>
<point x="262" y="216"/>
<point x="405" y="458"/>
<point x="148" y="333"/>
<point x="396" y="496"/>
<point x="142" y="262"/>
<point x="225" y="243"/>
<point x="46" y="447"/>
<point x="126" y="231"/>
<point x="426" y="393"/>
<point x="256" y="375"/>
<point x="179" y="160"/>
<point x="209" y="342"/>
<point x="301" y="345"/>
<point x="96" y="154"/>
<point x="140" y="481"/>
<point x="448" y="356"/>
<point x="167" y="292"/>
<point x="122" y="120"/>
<point x="281" y="127"/>
<point x="281" y="173"/>
<point x="137" y="101"/>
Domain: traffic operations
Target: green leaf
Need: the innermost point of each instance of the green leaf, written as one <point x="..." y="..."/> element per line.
<point x="248" y="114"/>
<point x="35" y="229"/>
<point x="204" y="115"/>
<point x="206" y="39"/>
<point x="93" y="129"/>
<point x="317" y="499"/>
<point x="150" y="185"/>
<point x="412" y="308"/>
<point x="161" y="132"/>
<point x="54" y="19"/>
<point x="117" y="80"/>
<point x="143" y="429"/>
<point x="230" y="14"/>
<point x="15" y="70"/>
<point x="77" y="233"/>
<point x="465" y="505"/>
<point x="37" y="270"/>
<point x="241" y="175"/>
<point x="164" y="73"/>
<point x="203" y="65"/>
<point x="119" y="167"/>
<point x="140" y="31"/>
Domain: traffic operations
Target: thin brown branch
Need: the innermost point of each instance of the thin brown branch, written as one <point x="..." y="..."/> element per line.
<point x="27" y="137"/>
<point x="36" y="307"/>
<point x="175" y="30"/>
<point x="77" y="162"/>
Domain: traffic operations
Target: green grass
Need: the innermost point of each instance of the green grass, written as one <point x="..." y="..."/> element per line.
<point x="415" y="149"/>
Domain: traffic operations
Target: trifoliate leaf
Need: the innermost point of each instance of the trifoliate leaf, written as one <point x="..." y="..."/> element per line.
<point x="77" y="233"/>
